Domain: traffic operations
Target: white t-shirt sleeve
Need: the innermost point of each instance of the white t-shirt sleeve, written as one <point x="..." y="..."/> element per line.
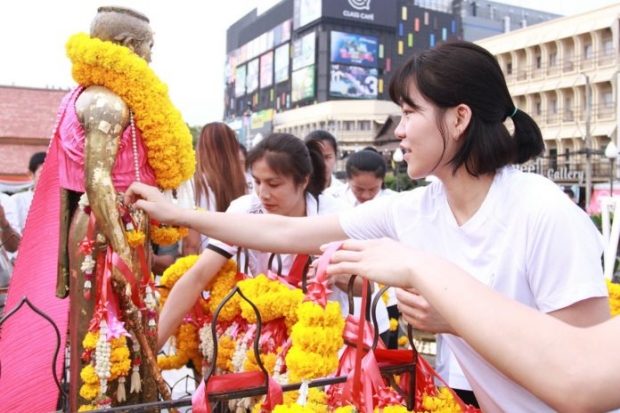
<point x="241" y="205"/>
<point x="557" y="278"/>
<point x="371" y="220"/>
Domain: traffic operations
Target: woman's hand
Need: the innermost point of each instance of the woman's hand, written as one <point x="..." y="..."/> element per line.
<point x="418" y="313"/>
<point x="384" y="261"/>
<point x="151" y="200"/>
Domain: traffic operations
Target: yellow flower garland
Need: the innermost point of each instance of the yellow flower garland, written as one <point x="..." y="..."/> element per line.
<point x="187" y="337"/>
<point x="120" y="366"/>
<point x="614" y="297"/>
<point x="116" y="67"/>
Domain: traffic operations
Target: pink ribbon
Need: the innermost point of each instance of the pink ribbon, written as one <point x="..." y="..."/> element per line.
<point x="318" y="290"/>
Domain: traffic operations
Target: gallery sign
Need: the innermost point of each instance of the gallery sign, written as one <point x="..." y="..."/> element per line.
<point x="562" y="174"/>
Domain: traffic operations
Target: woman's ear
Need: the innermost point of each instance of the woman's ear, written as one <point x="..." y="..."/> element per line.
<point x="461" y="119"/>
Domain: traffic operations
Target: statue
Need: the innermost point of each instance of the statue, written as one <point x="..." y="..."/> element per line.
<point x="116" y="127"/>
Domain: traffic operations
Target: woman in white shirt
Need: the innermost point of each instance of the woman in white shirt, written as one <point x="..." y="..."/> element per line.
<point x="366" y="171"/>
<point x="288" y="180"/>
<point x="513" y="231"/>
<point x="219" y="177"/>
<point x="329" y="149"/>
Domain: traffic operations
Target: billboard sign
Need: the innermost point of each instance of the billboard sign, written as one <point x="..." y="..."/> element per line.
<point x="353" y="82"/>
<point x="304" y="51"/>
<point x="354" y="49"/>
<point x="303" y="84"/>
<point x="251" y="77"/>
<point x="240" y="81"/>
<point x="266" y="70"/>
<point x="281" y="63"/>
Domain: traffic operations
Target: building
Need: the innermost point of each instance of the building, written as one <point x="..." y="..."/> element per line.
<point x="307" y="64"/>
<point x="27" y="117"/>
<point x="565" y="73"/>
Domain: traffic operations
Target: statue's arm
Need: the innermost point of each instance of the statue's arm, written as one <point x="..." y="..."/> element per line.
<point x="104" y="116"/>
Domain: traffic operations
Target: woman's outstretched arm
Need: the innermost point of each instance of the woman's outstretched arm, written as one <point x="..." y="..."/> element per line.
<point x="570" y="368"/>
<point x="185" y="292"/>
<point x="265" y="232"/>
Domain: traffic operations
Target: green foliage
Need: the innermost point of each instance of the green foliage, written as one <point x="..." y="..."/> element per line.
<point x="195" y="131"/>
<point x="404" y="182"/>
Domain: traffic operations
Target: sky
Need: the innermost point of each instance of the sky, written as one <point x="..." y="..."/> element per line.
<point x="189" y="51"/>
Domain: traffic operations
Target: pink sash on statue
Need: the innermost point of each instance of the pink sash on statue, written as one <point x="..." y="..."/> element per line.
<point x="27" y="341"/>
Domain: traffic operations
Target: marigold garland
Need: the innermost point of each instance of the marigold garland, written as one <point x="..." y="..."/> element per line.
<point x="614" y="297"/>
<point x="120" y="365"/>
<point x="272" y="298"/>
<point x="116" y="67"/>
<point x="186" y="336"/>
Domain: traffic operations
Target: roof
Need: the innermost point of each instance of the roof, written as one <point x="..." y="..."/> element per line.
<point x="386" y="136"/>
<point x="28" y="113"/>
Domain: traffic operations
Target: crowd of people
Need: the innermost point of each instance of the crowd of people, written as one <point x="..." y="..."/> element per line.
<point x="482" y="256"/>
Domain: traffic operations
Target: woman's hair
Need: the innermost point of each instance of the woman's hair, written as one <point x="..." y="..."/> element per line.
<point x="460" y="72"/>
<point x="218" y="166"/>
<point x="366" y="161"/>
<point x="321" y="136"/>
<point x="288" y="156"/>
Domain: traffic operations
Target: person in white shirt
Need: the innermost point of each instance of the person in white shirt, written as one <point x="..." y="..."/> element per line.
<point x="22" y="200"/>
<point x="478" y="312"/>
<point x="219" y="178"/>
<point x="9" y="242"/>
<point x="516" y="232"/>
<point x="366" y="171"/>
<point x="329" y="149"/>
<point x="288" y="180"/>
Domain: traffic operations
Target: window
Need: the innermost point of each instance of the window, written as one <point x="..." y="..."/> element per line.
<point x="509" y="68"/>
<point x="553" y="59"/>
<point x="608" y="47"/>
<point x="608" y="100"/>
<point x="538" y="62"/>
<point x="553" y="106"/>
<point x="588" y="52"/>
<point x="538" y="108"/>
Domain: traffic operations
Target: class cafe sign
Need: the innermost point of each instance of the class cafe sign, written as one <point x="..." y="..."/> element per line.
<point x="560" y="174"/>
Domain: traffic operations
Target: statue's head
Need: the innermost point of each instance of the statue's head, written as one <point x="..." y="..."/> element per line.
<point x="126" y="27"/>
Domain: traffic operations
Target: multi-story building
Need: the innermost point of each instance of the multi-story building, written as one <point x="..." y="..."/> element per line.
<point x="308" y="64"/>
<point x="565" y="73"/>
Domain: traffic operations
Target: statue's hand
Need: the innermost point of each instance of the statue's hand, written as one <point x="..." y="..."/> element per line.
<point x="152" y="201"/>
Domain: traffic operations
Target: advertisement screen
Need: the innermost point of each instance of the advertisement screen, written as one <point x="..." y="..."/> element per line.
<point x="240" y="81"/>
<point x="251" y="79"/>
<point x="281" y="63"/>
<point x="266" y="70"/>
<point x="353" y="49"/>
<point x="306" y="11"/>
<point x="282" y="33"/>
<point x="303" y="84"/>
<point x="304" y="51"/>
<point x="353" y="82"/>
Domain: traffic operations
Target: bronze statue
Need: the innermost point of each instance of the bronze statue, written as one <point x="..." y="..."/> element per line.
<point x="118" y="126"/>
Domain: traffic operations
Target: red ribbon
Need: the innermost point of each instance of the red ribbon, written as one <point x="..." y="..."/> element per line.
<point x="236" y="381"/>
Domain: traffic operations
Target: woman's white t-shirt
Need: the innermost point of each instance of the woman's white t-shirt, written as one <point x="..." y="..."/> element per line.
<point x="383" y="319"/>
<point x="527" y="241"/>
<point x="258" y="261"/>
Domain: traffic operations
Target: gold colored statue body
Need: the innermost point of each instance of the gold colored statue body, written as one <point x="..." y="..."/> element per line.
<point x="104" y="116"/>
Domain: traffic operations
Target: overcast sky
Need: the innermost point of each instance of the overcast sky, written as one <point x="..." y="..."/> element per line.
<point x="190" y="43"/>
